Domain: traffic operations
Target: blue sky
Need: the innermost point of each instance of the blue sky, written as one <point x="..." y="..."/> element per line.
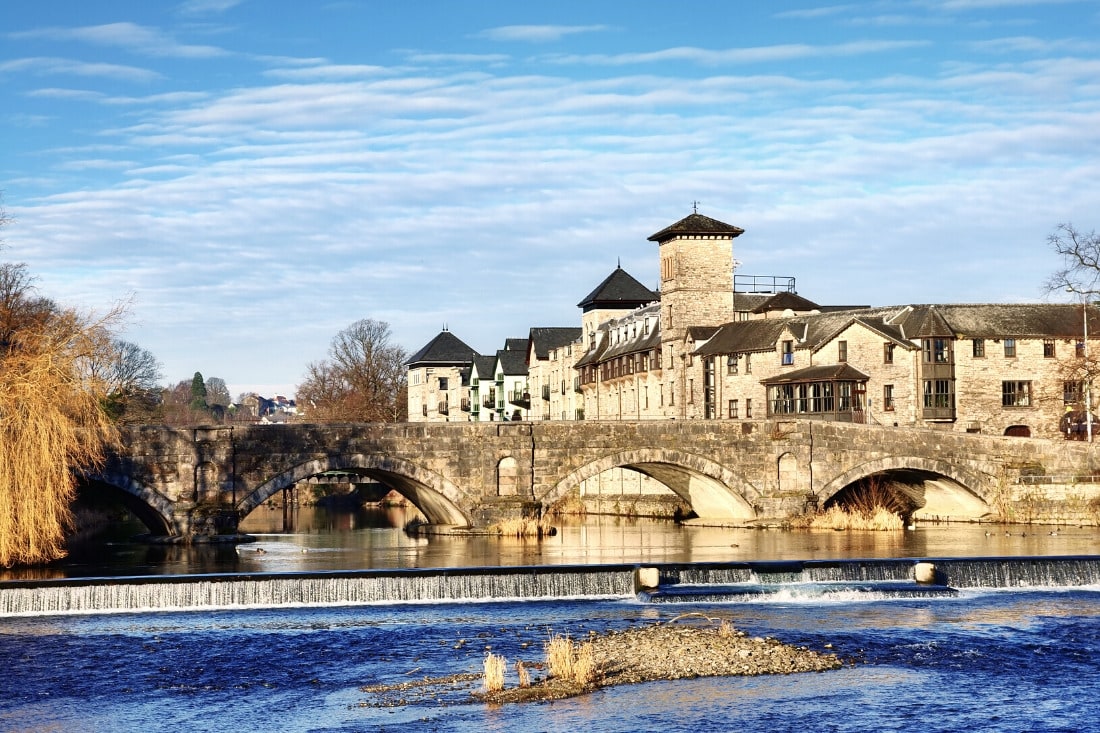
<point x="257" y="176"/>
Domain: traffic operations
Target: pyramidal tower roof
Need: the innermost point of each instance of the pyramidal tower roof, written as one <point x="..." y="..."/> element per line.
<point x="618" y="290"/>
<point x="446" y="348"/>
<point x="696" y="224"/>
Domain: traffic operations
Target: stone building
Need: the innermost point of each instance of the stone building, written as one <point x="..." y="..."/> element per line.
<point x="436" y="376"/>
<point x="713" y="344"/>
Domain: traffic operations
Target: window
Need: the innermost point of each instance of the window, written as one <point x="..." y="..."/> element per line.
<point x="1016" y="394"/>
<point x="742" y="315"/>
<point x="1010" y="348"/>
<point x="788" y="353"/>
<point x="442" y="384"/>
<point x="888" y="353"/>
<point x="1048" y="348"/>
<point x="691" y="392"/>
<point x="979" y="348"/>
<point x="731" y="364"/>
<point x="1080" y="350"/>
<point x="1073" y="393"/>
<point x="938" y="394"/>
<point x="748" y="408"/>
<point x="671" y="394"/>
<point x="937" y="351"/>
<point x="888" y="397"/>
<point x="842" y="351"/>
<point x="733" y="408"/>
<point x="748" y="370"/>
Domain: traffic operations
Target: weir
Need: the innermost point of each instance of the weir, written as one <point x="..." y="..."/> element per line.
<point x="694" y="582"/>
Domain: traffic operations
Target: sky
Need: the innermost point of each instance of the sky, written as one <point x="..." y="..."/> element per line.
<point x="253" y="177"/>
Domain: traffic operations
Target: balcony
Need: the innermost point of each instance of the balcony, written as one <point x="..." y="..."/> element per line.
<point x="464" y="405"/>
<point x="520" y="398"/>
<point x="577" y="384"/>
<point x="443" y="408"/>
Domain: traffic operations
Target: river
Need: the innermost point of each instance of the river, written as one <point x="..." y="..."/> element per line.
<point x="372" y="537"/>
<point x="984" y="659"/>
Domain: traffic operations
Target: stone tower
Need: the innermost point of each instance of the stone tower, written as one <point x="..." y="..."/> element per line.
<point x="696" y="274"/>
<point x="696" y="256"/>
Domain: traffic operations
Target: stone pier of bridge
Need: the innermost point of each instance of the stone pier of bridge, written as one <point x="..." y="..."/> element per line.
<point x="201" y="481"/>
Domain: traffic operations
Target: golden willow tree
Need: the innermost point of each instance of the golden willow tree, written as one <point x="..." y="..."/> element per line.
<point x="52" y="421"/>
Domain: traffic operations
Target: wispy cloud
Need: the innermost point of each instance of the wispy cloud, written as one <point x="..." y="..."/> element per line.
<point x="759" y="54"/>
<point x="44" y="65"/>
<point x="537" y="33"/>
<point x="207" y="7"/>
<point x="130" y="36"/>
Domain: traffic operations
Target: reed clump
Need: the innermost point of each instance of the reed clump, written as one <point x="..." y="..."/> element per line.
<point x="841" y="518"/>
<point x="524" y="527"/>
<point x="567" y="660"/>
<point x="494" y="672"/>
<point x="523" y="675"/>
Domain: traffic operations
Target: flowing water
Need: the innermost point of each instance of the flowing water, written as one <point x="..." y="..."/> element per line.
<point x="988" y="660"/>
<point x="1006" y="645"/>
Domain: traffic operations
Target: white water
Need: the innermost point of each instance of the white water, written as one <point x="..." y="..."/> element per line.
<point x="701" y="581"/>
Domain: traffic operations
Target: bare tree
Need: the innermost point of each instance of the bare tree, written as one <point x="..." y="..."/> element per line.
<point x="362" y="380"/>
<point x="130" y="377"/>
<point x="1080" y="255"/>
<point x="217" y="392"/>
<point x="1080" y="275"/>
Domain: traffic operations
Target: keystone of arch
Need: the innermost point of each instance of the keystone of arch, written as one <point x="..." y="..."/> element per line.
<point x="721" y="480"/>
<point x="440" y="500"/>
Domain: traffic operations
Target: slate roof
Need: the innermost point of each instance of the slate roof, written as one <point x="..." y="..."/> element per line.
<point x="695" y="224"/>
<point x="822" y="373"/>
<point x="784" y="301"/>
<point x="546" y="338"/>
<point x="445" y="349"/>
<point x="485" y="366"/>
<point x="618" y="290"/>
<point x="906" y="325"/>
<point x="513" y="362"/>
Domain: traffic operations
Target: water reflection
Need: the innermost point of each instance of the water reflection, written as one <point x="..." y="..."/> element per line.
<point x="373" y="537"/>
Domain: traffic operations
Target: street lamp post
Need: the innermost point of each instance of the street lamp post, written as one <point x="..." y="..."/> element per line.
<point x="1088" y="367"/>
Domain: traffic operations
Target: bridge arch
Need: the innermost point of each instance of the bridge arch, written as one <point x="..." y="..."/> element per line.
<point x="707" y="486"/>
<point x="153" y="509"/>
<point x="937" y="488"/>
<point x="438" y="499"/>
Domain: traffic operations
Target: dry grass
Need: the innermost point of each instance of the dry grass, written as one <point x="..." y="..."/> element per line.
<point x="585" y="671"/>
<point x="52" y="426"/>
<point x="559" y="656"/>
<point x="566" y="660"/>
<point x="726" y="630"/>
<point x="569" y="505"/>
<point x="523" y="675"/>
<point x="523" y="527"/>
<point x="494" y="672"/>
<point x="839" y="518"/>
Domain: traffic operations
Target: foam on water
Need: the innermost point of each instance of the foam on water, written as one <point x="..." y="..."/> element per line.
<point x="806" y="581"/>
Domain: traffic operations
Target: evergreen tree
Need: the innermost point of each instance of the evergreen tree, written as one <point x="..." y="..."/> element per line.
<point x="198" y="393"/>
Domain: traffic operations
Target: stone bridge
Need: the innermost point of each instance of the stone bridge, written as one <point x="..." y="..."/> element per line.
<point x="200" y="481"/>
